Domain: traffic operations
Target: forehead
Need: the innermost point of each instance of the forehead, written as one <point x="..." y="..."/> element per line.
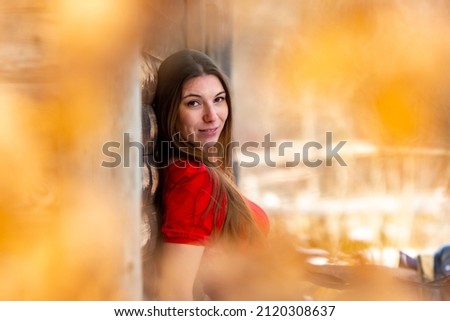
<point x="204" y="84"/>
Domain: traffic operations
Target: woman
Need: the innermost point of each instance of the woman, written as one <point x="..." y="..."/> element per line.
<point x="197" y="198"/>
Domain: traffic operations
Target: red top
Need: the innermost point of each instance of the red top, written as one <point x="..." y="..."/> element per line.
<point x="187" y="194"/>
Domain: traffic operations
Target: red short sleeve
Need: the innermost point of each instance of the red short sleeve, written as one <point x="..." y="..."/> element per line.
<point x="187" y="217"/>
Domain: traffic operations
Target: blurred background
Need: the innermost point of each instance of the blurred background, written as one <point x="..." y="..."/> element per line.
<point x="69" y="83"/>
<point x="373" y="73"/>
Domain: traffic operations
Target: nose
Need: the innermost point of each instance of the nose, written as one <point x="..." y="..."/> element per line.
<point x="209" y="113"/>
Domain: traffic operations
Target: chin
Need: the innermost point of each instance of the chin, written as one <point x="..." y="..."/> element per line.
<point x="209" y="142"/>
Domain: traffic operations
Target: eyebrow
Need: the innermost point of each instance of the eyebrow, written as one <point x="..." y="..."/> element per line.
<point x="199" y="96"/>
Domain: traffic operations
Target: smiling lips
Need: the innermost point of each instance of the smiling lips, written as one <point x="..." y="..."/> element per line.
<point x="210" y="132"/>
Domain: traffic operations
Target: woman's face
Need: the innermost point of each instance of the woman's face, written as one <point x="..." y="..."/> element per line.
<point x="203" y="110"/>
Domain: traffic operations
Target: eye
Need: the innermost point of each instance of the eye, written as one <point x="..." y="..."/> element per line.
<point x="219" y="99"/>
<point x="193" y="103"/>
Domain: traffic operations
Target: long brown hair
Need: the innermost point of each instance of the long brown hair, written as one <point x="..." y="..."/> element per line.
<point x="172" y="75"/>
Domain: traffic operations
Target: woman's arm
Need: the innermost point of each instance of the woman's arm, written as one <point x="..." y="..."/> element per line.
<point x="178" y="271"/>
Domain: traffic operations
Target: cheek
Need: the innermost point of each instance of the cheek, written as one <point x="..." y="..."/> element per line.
<point x="224" y="114"/>
<point x="181" y="119"/>
<point x="184" y="122"/>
